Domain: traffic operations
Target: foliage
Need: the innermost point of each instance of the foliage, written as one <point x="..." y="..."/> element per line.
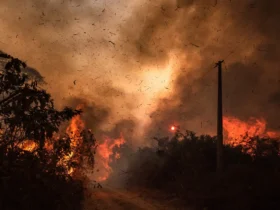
<point x="185" y="166"/>
<point x="37" y="178"/>
<point x="27" y="112"/>
<point x="28" y="184"/>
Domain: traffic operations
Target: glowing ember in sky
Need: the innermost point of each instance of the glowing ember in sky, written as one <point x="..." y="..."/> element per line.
<point x="173" y="128"/>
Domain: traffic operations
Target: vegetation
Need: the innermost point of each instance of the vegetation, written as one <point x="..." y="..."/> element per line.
<point x="35" y="159"/>
<point x="39" y="166"/>
<point x="184" y="167"/>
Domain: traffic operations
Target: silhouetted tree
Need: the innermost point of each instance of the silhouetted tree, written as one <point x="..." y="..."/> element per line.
<point x="37" y="178"/>
<point x="27" y="112"/>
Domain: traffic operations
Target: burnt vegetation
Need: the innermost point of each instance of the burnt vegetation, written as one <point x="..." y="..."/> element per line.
<point x="184" y="168"/>
<point x="35" y="157"/>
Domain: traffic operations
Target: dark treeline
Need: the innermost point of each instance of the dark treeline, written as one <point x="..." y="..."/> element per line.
<point x="184" y="167"/>
<point x="37" y="177"/>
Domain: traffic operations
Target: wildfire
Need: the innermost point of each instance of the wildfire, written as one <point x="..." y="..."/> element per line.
<point x="105" y="156"/>
<point x="236" y="129"/>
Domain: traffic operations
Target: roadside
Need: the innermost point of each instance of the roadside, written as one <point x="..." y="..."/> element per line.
<point x="120" y="199"/>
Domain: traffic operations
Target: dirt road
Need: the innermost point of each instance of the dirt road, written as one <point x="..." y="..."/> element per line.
<point x="118" y="199"/>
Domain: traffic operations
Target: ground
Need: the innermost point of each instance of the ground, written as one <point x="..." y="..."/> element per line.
<point x="108" y="198"/>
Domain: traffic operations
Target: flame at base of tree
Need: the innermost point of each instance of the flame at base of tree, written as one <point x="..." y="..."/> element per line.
<point x="74" y="131"/>
<point x="73" y="148"/>
<point x="76" y="135"/>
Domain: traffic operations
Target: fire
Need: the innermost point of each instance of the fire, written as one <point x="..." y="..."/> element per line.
<point x="28" y="145"/>
<point x="105" y="156"/>
<point x="236" y="129"/>
<point x="74" y="130"/>
<point x="117" y="155"/>
<point x="173" y="128"/>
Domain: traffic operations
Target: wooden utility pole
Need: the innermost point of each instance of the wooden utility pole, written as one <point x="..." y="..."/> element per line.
<point x="220" y="120"/>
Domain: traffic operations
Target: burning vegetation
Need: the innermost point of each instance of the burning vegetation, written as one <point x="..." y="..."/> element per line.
<point x="105" y="155"/>
<point x="237" y="130"/>
<point x="39" y="164"/>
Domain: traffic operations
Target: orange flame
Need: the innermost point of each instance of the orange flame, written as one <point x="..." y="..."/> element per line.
<point x="236" y="129"/>
<point x="28" y="145"/>
<point x="74" y="130"/>
<point x="105" y="157"/>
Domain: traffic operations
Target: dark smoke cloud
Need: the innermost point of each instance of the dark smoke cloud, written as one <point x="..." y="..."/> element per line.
<point x="94" y="115"/>
<point x="125" y="128"/>
<point x="245" y="34"/>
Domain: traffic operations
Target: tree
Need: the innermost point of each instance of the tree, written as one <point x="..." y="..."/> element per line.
<point x="27" y="112"/>
<point x="37" y="178"/>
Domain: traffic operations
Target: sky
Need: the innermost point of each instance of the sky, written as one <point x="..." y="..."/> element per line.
<point x="141" y="66"/>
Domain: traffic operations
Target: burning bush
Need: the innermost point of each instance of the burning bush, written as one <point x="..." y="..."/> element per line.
<point x="38" y="166"/>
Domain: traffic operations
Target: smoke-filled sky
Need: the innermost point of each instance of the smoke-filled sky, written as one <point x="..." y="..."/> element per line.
<point x="140" y="65"/>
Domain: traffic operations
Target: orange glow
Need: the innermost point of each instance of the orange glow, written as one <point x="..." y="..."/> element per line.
<point x="173" y="128"/>
<point x="28" y="145"/>
<point x="105" y="157"/>
<point x="76" y="126"/>
<point x="237" y="131"/>
<point x="74" y="130"/>
<point x="117" y="155"/>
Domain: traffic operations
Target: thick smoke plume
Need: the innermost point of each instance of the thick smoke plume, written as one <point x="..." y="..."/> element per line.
<point x="145" y="65"/>
<point x="196" y="34"/>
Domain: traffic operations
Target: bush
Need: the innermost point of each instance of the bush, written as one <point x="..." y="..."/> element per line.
<point x="185" y="165"/>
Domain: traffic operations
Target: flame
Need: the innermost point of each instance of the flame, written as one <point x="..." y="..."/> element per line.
<point x="105" y="156"/>
<point x="28" y="145"/>
<point x="237" y="130"/>
<point x="74" y="130"/>
<point x="117" y="155"/>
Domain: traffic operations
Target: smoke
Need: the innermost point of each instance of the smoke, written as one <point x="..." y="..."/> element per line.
<point x="145" y="65"/>
<point x="196" y="34"/>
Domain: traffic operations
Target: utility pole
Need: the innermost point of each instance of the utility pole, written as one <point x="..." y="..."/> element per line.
<point x="220" y="120"/>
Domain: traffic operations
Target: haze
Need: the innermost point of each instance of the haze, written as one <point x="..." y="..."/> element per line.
<point x="142" y="66"/>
